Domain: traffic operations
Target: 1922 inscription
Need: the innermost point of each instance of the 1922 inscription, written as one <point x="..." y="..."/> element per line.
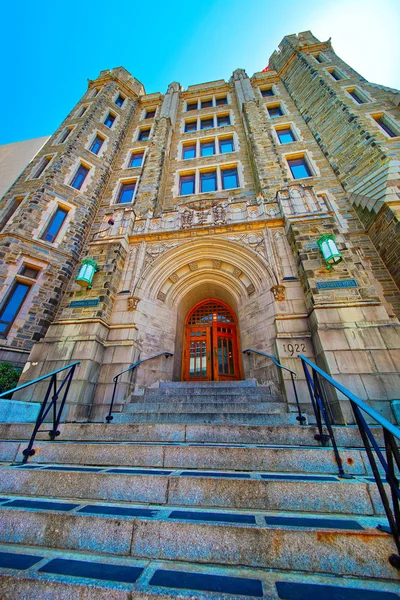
<point x="293" y="349"/>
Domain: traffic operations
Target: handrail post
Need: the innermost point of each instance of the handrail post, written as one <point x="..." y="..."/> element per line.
<point x="299" y="417"/>
<point x="109" y="417"/>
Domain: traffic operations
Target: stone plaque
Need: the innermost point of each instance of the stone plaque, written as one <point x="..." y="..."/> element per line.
<point x="84" y="303"/>
<point x="336" y="285"/>
<point x="292" y="347"/>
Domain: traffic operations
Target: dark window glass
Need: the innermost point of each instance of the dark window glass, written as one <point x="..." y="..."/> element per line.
<point x="136" y="159"/>
<point x="299" y="168"/>
<point x="27" y="271"/>
<point x="226" y="145"/>
<point x="274" y="111"/>
<point x="10" y="210"/>
<point x="120" y="100"/>
<point x="207" y="148"/>
<point x="320" y="58"/>
<point x="64" y="135"/>
<point x="207" y="123"/>
<point x="126" y="193"/>
<point x="221" y="101"/>
<point x="109" y="120"/>
<point x="189" y="151"/>
<point x="385" y="127"/>
<point x="229" y="179"/>
<point x="79" y="177"/>
<point x="356" y="97"/>
<point x="12" y="305"/>
<point x="206" y="103"/>
<point x="187" y="184"/>
<point x="150" y="114"/>
<point x="96" y="144"/>
<point x="223" y="120"/>
<point x="191" y="126"/>
<point x="335" y="75"/>
<point x="55" y="225"/>
<point x="285" y="135"/>
<point x="95" y="92"/>
<point x="191" y="106"/>
<point x="144" y="135"/>
<point x="267" y="92"/>
<point x="43" y="164"/>
<point x="208" y="181"/>
<point x="81" y="112"/>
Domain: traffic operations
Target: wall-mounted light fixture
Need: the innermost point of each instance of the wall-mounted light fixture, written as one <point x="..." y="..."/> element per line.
<point x="86" y="273"/>
<point x="329" y="250"/>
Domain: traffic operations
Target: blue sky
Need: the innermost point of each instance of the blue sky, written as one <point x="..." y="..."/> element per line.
<point x="50" y="49"/>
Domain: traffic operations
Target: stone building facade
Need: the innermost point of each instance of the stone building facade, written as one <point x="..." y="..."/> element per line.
<point x="210" y="201"/>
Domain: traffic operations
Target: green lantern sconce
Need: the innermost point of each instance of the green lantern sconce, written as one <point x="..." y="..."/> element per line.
<point x="86" y="273"/>
<point x="329" y="250"/>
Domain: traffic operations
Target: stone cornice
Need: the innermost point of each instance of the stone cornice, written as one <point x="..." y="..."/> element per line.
<point x="37" y="243"/>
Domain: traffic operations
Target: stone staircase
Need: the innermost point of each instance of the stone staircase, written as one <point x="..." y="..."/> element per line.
<point x="225" y="402"/>
<point x="190" y="509"/>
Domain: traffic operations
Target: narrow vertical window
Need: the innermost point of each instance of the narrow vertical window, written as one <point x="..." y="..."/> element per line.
<point x="136" y="159"/>
<point x="120" y="100"/>
<point x="285" y="135"/>
<point x="208" y="181"/>
<point x="150" y="114"/>
<point x="299" y="167"/>
<point x="12" y="305"/>
<point x="223" y="120"/>
<point x="207" y="123"/>
<point x="190" y="126"/>
<point x="274" y="111"/>
<point x="109" y="122"/>
<point x="55" y="224"/>
<point x="186" y="184"/>
<point x="385" y="126"/>
<point x="14" y="204"/>
<point x="97" y="144"/>
<point x="79" y="177"/>
<point x="206" y="103"/>
<point x="64" y="135"/>
<point x="266" y="92"/>
<point x="144" y="135"/>
<point x="44" y="163"/>
<point x="189" y="151"/>
<point x="230" y="179"/>
<point x="81" y="112"/>
<point x="191" y="106"/>
<point x="207" y="148"/>
<point x="126" y="192"/>
<point x="221" y="101"/>
<point x="226" y="145"/>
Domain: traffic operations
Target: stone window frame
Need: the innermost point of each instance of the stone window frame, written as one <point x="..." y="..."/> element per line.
<point x="11" y="209"/>
<point x="213" y="97"/>
<point x="85" y="106"/>
<point x="204" y="169"/>
<point x="294" y="129"/>
<point x="46" y="217"/>
<point x="338" y="71"/>
<point x="13" y="276"/>
<point x="91" y="139"/>
<point x="149" y="108"/>
<point x="204" y="117"/>
<point x="389" y="119"/>
<point x="360" y="92"/>
<point x="117" y="188"/>
<point x="57" y="139"/>
<point x="105" y="114"/>
<point x="35" y="169"/>
<point x="141" y="128"/>
<point x="326" y="58"/>
<point x="269" y="86"/>
<point x="272" y="104"/>
<point x="91" y="94"/>
<point x="114" y="100"/>
<point x="312" y="165"/>
<point x="136" y="150"/>
<point x="198" y="140"/>
<point x="74" y="168"/>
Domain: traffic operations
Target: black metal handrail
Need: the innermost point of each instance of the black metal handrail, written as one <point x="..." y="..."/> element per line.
<point x="391" y="437"/>
<point x="109" y="417"/>
<point x="44" y="409"/>
<point x="301" y="418"/>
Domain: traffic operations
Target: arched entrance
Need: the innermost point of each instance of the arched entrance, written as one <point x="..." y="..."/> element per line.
<point x="211" y="348"/>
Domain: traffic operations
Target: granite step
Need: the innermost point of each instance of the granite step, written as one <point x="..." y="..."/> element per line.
<point x="214" y="418"/>
<point x="326" y="544"/>
<point x="299" y="492"/>
<point x="207" y="405"/>
<point x="49" y="574"/>
<point x="238" y="434"/>
<point x="258" y="392"/>
<point x="193" y="395"/>
<point x="177" y="455"/>
<point x="244" y="383"/>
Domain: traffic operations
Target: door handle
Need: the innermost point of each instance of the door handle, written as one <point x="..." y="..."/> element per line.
<point x="209" y="355"/>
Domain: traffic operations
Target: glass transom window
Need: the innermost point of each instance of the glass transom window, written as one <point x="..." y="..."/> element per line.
<point x="285" y="135"/>
<point x="274" y="111"/>
<point x="299" y="167"/>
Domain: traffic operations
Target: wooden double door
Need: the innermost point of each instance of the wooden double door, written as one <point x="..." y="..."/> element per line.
<point x="211" y="350"/>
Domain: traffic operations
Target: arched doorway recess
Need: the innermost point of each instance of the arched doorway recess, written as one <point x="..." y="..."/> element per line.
<point x="211" y="346"/>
